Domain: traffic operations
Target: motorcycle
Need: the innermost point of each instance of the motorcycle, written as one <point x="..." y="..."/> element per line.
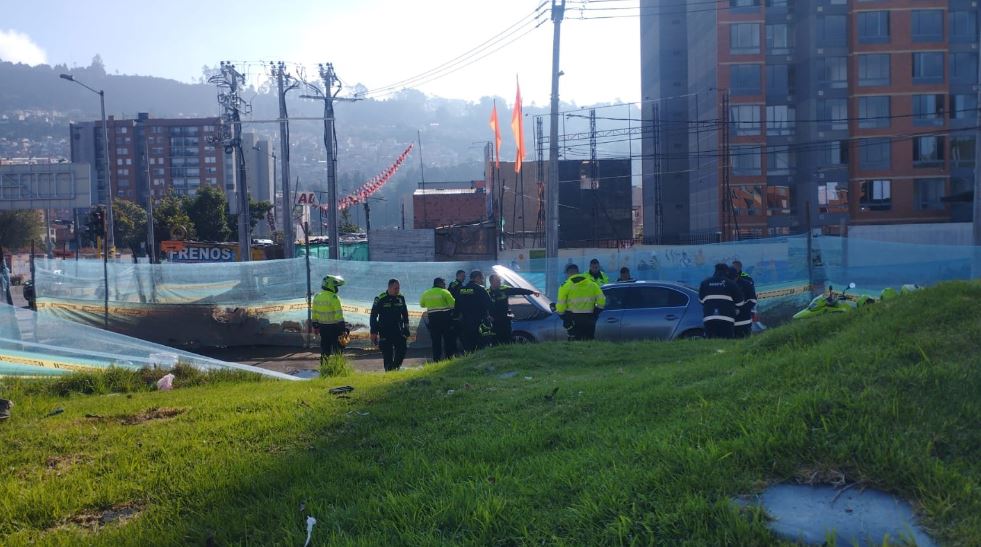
<point x="834" y="303"/>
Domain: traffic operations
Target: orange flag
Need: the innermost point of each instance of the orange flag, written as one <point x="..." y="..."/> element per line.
<point x="518" y="128"/>
<point x="497" y="136"/>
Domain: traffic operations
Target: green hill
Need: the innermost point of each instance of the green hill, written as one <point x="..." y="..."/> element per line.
<point x="562" y="443"/>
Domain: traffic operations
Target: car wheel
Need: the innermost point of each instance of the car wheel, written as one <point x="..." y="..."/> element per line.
<point x="523" y="338"/>
<point x="694" y="334"/>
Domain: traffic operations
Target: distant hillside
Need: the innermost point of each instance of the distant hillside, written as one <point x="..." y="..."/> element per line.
<point x="36" y="108"/>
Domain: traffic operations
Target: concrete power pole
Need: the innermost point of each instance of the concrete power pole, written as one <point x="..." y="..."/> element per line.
<point x="552" y="200"/>
<point x="228" y="82"/>
<point x="284" y="83"/>
<point x="332" y="86"/>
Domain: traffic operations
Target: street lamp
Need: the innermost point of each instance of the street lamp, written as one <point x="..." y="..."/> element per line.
<point x="108" y="242"/>
<point x="110" y="235"/>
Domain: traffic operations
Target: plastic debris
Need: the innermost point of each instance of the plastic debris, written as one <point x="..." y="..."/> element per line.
<point x="166" y="383"/>
<point x="55" y="412"/>
<point x="509" y="374"/>
<point x="340" y="389"/>
<point x="5" y="406"/>
<point x="310" y="522"/>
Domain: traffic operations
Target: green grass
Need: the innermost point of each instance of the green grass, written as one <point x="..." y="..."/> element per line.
<point x="586" y="444"/>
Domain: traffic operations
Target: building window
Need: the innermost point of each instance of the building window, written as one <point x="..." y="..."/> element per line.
<point x="156" y="130"/>
<point x="928" y="151"/>
<point x="744" y="38"/>
<point x="746" y="161"/>
<point x="833" y="71"/>
<point x="963" y="67"/>
<point x="744" y="3"/>
<point x="747" y="200"/>
<point x="779" y="161"/>
<point x="746" y="119"/>
<point x="964" y="106"/>
<point x="833" y="114"/>
<point x="209" y="159"/>
<point x="158" y="171"/>
<point x="873" y="112"/>
<point x="121" y="151"/>
<point x="964" y="26"/>
<point x="778" y="80"/>
<point x="928" y="66"/>
<point x="928" y="109"/>
<point x="745" y="79"/>
<point x="836" y="153"/>
<point x="833" y="31"/>
<point x="876" y="195"/>
<point x="962" y="151"/>
<point x="121" y="130"/>
<point x="779" y="120"/>
<point x="832" y="198"/>
<point x="873" y="27"/>
<point x="874" y="154"/>
<point x="928" y="194"/>
<point x="928" y="25"/>
<point x="778" y="40"/>
<point x="778" y="200"/>
<point x="873" y="69"/>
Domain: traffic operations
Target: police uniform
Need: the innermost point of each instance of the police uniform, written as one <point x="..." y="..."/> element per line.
<point x="580" y="301"/>
<point x="720" y="297"/>
<point x="328" y="317"/>
<point x="439" y="304"/>
<point x="744" y="313"/>
<point x="473" y="305"/>
<point x="390" y="321"/>
<point x="600" y="277"/>
<point x="453" y="334"/>
<point x="501" y="311"/>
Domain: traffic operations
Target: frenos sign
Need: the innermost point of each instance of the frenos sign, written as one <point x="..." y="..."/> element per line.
<point x="179" y="251"/>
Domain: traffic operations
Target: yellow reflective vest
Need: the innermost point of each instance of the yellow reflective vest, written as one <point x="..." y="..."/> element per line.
<point x="580" y="294"/>
<point x="437" y="299"/>
<point x="327" y="308"/>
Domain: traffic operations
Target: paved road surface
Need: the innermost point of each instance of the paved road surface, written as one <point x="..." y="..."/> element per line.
<point x="282" y="359"/>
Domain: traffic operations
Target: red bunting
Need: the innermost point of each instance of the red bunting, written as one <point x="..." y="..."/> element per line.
<point x="373" y="185"/>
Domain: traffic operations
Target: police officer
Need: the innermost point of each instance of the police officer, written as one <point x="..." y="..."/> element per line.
<point x="625" y="276"/>
<point x="453" y="334"/>
<point x="439" y="304"/>
<point x="390" y="325"/>
<point x="719" y="296"/>
<point x="328" y="317"/>
<point x="596" y="274"/>
<point x="458" y="282"/>
<point x="473" y="305"/>
<point x="500" y="310"/>
<point x="580" y="302"/>
<point x="744" y="315"/>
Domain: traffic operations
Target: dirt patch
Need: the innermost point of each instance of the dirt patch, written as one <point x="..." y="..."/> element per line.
<point x="151" y="414"/>
<point x="62" y="463"/>
<point x="94" y="520"/>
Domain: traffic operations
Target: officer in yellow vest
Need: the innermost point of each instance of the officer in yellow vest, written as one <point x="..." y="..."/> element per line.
<point x="439" y="303"/>
<point x="580" y="302"/>
<point x="327" y="316"/>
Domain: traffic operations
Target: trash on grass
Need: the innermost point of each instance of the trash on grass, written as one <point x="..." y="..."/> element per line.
<point x="310" y="522"/>
<point x="340" y="389"/>
<point x="55" y="412"/>
<point x="5" y="406"/>
<point x="166" y="383"/>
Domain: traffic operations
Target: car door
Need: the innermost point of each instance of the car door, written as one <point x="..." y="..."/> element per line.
<point x="652" y="313"/>
<point x="608" y="322"/>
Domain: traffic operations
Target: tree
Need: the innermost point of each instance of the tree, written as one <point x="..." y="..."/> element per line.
<point x="170" y="218"/>
<point x="346" y="226"/>
<point x="129" y="224"/>
<point x="209" y="213"/>
<point x="19" y="228"/>
<point x="257" y="213"/>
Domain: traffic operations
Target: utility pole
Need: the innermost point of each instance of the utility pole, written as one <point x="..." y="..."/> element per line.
<point x="231" y="104"/>
<point x="977" y="185"/>
<point x="151" y="251"/>
<point x="552" y="213"/>
<point x="284" y="83"/>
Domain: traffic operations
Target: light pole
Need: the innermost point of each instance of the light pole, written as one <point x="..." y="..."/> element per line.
<point x="272" y="198"/>
<point x="110" y="235"/>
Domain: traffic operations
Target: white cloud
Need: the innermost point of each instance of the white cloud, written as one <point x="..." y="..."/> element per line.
<point x="17" y="47"/>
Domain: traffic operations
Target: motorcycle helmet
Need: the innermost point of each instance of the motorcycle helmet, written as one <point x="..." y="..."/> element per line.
<point x="332" y="282"/>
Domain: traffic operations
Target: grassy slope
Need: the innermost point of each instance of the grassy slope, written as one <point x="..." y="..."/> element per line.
<point x="642" y="442"/>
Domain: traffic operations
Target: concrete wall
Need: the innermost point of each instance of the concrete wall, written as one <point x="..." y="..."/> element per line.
<point x="402" y="245"/>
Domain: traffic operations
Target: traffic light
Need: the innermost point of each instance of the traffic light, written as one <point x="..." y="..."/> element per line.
<point x="97" y="223"/>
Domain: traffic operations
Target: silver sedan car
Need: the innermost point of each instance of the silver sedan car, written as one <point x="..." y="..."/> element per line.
<point x="640" y="310"/>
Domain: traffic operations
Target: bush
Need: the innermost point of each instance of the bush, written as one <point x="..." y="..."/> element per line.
<point x="335" y="365"/>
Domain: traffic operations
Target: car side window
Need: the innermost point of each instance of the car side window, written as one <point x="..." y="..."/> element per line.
<point x="658" y="297"/>
<point x="616" y="299"/>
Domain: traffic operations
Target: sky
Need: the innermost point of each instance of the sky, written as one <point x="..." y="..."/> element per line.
<point x="373" y="42"/>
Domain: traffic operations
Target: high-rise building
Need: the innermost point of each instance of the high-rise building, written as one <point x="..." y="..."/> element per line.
<point x="762" y="115"/>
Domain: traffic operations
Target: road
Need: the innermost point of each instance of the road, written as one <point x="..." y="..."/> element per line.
<point x="289" y="360"/>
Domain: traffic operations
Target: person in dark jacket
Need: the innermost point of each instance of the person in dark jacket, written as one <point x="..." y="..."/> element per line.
<point x="625" y="276"/>
<point x="453" y="331"/>
<point x="457" y="283"/>
<point x="744" y="315"/>
<point x="473" y="305"/>
<point x="500" y="310"/>
<point x="720" y="297"/>
<point x="389" y="323"/>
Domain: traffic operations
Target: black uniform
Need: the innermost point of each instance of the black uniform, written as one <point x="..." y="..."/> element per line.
<point x="390" y="321"/>
<point x="720" y="297"/>
<point x="744" y="313"/>
<point x="501" y="311"/>
<point x="473" y="305"/>
<point x="452" y="334"/>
